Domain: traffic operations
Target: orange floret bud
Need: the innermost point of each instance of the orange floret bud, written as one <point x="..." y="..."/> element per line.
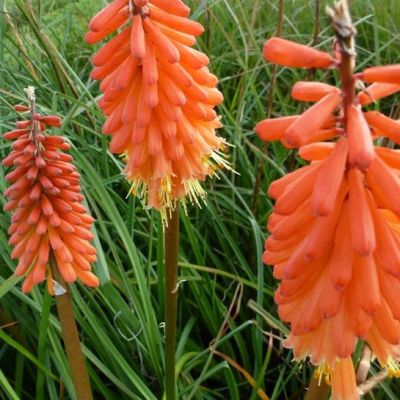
<point x="21" y="108"/>
<point x="341" y="262"/>
<point x="388" y="183"/>
<point x="388" y="74"/>
<point x="361" y="148"/>
<point x="177" y="7"/>
<point x="316" y="151"/>
<point x="386" y="126"/>
<point x="291" y="54"/>
<point x="51" y="120"/>
<point x="362" y="227"/>
<point x="330" y="178"/>
<point x="100" y="20"/>
<point x="377" y="91"/>
<point x="274" y="129"/>
<point x="311" y="91"/>
<point x="302" y="130"/>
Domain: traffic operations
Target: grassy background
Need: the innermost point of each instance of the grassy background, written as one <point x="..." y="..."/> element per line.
<point x="225" y="291"/>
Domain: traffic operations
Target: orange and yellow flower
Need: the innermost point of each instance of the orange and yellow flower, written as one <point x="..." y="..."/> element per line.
<point x="335" y="228"/>
<point x="158" y="97"/>
<point x="48" y="219"/>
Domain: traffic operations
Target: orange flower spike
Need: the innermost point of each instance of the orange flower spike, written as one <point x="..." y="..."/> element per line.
<point x="386" y="74"/>
<point x="159" y="100"/>
<point x="311" y="91"/>
<point x="302" y="130"/>
<point x="330" y="177"/>
<point x="291" y="54"/>
<point x="44" y="200"/>
<point x="361" y="148"/>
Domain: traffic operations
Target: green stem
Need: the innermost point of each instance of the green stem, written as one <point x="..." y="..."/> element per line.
<point x="70" y="336"/>
<point x="171" y="246"/>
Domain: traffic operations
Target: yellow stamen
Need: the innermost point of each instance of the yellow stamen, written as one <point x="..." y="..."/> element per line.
<point x="193" y="190"/>
<point x="323" y="372"/>
<point x="393" y="368"/>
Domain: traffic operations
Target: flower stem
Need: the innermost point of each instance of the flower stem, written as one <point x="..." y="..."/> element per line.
<point x="70" y="336"/>
<point x="171" y="240"/>
<point x="345" y="33"/>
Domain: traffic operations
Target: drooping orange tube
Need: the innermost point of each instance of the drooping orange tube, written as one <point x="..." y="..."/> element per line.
<point x="291" y="54"/>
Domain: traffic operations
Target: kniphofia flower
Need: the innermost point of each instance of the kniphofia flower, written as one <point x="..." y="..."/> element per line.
<point x="158" y="97"/>
<point x="44" y="197"/>
<point x="335" y="227"/>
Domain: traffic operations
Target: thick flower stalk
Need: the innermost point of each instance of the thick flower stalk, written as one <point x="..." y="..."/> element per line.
<point x="335" y="228"/>
<point x="48" y="219"/>
<point x="158" y="97"/>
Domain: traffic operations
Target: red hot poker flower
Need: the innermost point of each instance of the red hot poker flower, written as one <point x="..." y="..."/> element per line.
<point x="44" y="198"/>
<point x="159" y="98"/>
<point x="335" y="228"/>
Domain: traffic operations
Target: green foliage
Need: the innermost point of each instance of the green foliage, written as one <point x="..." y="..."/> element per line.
<point x="121" y="322"/>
